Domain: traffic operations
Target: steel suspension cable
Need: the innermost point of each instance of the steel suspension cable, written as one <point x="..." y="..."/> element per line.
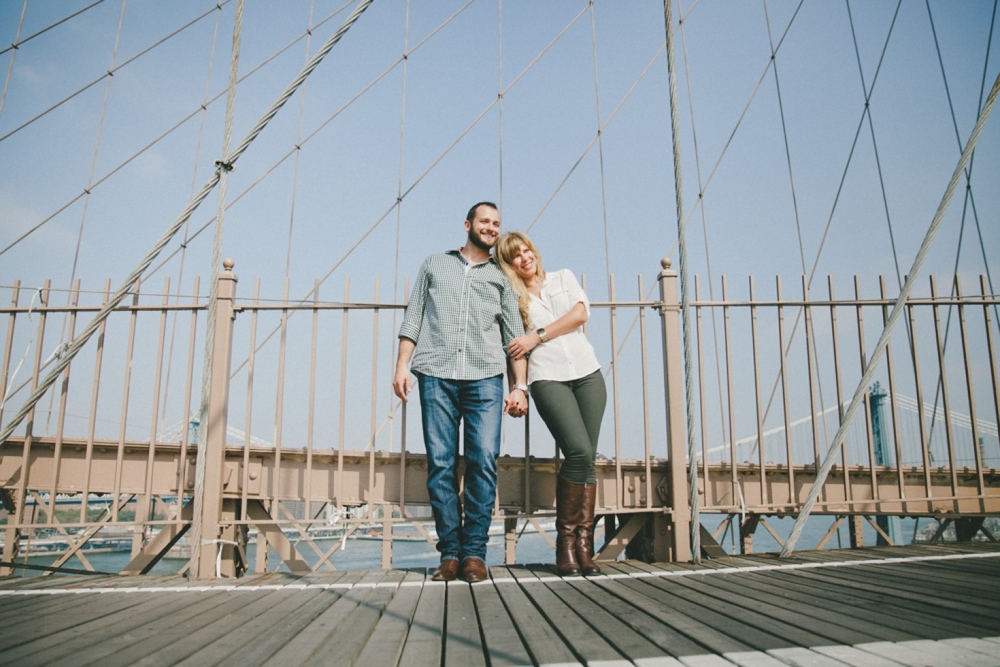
<point x="10" y="66"/>
<point x="685" y="301"/>
<point x="112" y="72"/>
<point x="206" y="189"/>
<point x="894" y="315"/>
<point x="19" y="43"/>
<point x="198" y="111"/>
<point x="223" y="167"/>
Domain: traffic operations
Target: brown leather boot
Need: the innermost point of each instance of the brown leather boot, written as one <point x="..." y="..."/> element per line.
<point x="585" y="532"/>
<point x="569" y="501"/>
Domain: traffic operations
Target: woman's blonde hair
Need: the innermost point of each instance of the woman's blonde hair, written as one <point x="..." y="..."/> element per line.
<point x="507" y="247"/>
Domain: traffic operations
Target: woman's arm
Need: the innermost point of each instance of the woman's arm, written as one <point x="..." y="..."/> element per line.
<point x="570" y="321"/>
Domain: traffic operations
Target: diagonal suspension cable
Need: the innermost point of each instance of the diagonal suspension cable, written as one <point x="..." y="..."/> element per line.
<point x="883" y="340"/>
<point x="124" y="289"/>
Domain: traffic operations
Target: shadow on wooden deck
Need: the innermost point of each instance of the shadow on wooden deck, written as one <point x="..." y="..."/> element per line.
<point x="914" y="605"/>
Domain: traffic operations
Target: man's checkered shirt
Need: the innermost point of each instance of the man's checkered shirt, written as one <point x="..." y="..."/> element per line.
<point x="461" y="322"/>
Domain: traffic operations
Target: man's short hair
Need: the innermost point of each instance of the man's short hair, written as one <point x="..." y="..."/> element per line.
<point x="471" y="215"/>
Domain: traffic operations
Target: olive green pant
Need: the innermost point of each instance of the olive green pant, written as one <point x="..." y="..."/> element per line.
<point x="573" y="411"/>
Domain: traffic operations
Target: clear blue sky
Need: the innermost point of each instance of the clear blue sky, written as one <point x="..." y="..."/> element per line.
<point x="349" y="173"/>
<point x="591" y="206"/>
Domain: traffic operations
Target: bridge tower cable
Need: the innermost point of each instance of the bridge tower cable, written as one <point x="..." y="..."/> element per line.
<point x="897" y="310"/>
<point x="127" y="285"/>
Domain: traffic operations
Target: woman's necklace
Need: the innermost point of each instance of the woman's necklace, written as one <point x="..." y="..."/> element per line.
<point x="535" y="286"/>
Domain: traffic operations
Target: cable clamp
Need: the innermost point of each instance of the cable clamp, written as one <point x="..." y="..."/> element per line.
<point x="222" y="165"/>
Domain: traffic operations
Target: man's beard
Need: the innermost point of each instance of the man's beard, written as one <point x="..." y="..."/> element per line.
<point x="477" y="240"/>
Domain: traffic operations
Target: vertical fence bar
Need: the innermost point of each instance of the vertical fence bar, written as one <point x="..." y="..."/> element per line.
<point x="8" y="348"/>
<point x="647" y="445"/>
<point x="990" y="348"/>
<point x="710" y="498"/>
<point x="893" y="405"/>
<point x="94" y="394"/>
<point x="918" y="389"/>
<point x="730" y="398"/>
<point x="613" y="312"/>
<point x="182" y="464"/>
<point x="126" y="390"/>
<point x="262" y="553"/>
<point x="145" y="507"/>
<point x="811" y="370"/>
<point x="754" y="339"/>
<point x="783" y="373"/>
<point x="969" y="388"/>
<point x="338" y="489"/>
<point x="279" y="407"/>
<point x="945" y="398"/>
<point x="863" y="358"/>
<point x="838" y="382"/>
<point x="311" y="424"/>
<point x="63" y="399"/>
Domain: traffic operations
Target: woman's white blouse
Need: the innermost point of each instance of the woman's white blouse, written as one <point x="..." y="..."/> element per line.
<point x="569" y="356"/>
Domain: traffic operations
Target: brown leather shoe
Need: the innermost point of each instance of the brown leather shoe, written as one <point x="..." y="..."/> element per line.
<point x="473" y="570"/>
<point x="446" y="571"/>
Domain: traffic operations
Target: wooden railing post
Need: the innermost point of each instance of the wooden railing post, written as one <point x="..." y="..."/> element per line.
<point x="207" y="536"/>
<point x="672" y="535"/>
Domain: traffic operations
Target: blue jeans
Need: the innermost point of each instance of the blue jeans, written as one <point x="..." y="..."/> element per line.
<point x="443" y="404"/>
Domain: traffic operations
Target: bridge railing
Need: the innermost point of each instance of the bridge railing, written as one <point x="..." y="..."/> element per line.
<point x="303" y="436"/>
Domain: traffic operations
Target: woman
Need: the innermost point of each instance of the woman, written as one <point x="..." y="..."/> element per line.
<point x="566" y="383"/>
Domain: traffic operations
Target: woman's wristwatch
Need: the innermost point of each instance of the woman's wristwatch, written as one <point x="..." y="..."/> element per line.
<point x="522" y="387"/>
<point x="541" y="334"/>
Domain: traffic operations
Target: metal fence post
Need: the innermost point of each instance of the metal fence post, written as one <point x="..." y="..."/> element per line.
<point x="208" y="535"/>
<point x="672" y="537"/>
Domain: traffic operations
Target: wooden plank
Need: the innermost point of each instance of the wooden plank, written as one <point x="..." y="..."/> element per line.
<point x="804" y="656"/>
<point x="639" y="618"/>
<point x="934" y="607"/>
<point x="88" y="642"/>
<point x="318" y="640"/>
<point x="607" y="616"/>
<point x="389" y="636"/>
<point x="500" y="636"/>
<point x="691" y="621"/>
<point x="578" y="636"/>
<point x="25" y="639"/>
<point x="748" y="592"/>
<point x="123" y="645"/>
<point x="543" y="642"/>
<point x="879" y="611"/>
<point x="463" y="643"/>
<point x="763" y="618"/>
<point x="851" y="655"/>
<point x="424" y="642"/>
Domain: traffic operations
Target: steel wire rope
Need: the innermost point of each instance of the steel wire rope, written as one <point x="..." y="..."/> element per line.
<point x="819" y="251"/>
<point x="10" y="66"/>
<point x="90" y="181"/>
<point x="223" y="166"/>
<point x="115" y="70"/>
<point x="969" y="200"/>
<point x="203" y="113"/>
<point x="897" y="309"/>
<point x="18" y="44"/>
<point x="695" y="535"/>
<point x="206" y="189"/>
<point x="199" y="110"/>
<point x="798" y="229"/>
<point x="393" y="404"/>
<point x="704" y="225"/>
<point x="703" y="184"/>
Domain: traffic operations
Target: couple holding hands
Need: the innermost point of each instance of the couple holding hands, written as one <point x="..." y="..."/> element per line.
<point x="474" y="313"/>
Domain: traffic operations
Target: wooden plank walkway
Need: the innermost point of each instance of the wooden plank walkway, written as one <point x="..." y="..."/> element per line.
<point x="890" y="606"/>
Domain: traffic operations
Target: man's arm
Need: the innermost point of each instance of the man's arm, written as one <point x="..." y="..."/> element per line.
<point x="401" y="383"/>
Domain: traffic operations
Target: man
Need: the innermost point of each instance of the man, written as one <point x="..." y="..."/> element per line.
<point x="461" y="315"/>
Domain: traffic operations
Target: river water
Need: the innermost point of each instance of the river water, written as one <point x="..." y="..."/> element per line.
<point x="363" y="554"/>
